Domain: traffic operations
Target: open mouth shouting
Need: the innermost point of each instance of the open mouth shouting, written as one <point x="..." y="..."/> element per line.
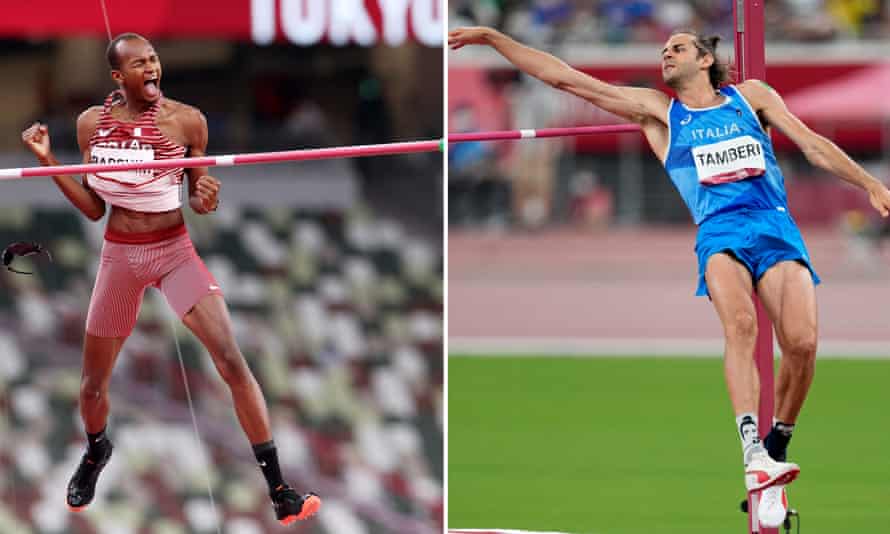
<point x="152" y="87"/>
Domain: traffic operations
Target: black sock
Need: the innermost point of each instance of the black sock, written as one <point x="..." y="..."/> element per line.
<point x="777" y="440"/>
<point x="97" y="445"/>
<point x="267" y="456"/>
<point x="784" y="428"/>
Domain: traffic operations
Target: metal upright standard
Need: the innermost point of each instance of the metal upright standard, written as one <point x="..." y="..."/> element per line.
<point x="750" y="53"/>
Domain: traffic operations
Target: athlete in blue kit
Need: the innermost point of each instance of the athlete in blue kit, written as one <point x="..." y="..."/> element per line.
<point x="713" y="142"/>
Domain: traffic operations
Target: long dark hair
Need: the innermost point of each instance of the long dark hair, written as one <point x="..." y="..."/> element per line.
<point x="719" y="72"/>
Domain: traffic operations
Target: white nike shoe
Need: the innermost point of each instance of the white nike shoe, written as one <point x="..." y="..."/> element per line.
<point x="773" y="506"/>
<point x="763" y="472"/>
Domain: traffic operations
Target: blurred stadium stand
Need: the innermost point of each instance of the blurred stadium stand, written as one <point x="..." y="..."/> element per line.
<point x="339" y="313"/>
<point x="630" y="21"/>
<point x="595" y="182"/>
<point x="332" y="271"/>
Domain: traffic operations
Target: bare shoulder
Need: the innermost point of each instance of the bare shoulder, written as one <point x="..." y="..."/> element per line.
<point x="86" y="125"/>
<point x="188" y="120"/>
<point x="89" y="117"/>
<point x="758" y="93"/>
<point x="188" y="116"/>
<point x="654" y="101"/>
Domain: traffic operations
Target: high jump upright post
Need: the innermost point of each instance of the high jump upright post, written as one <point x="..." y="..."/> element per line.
<point x="750" y="62"/>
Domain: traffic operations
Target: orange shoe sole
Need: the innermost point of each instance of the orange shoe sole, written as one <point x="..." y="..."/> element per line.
<point x="783" y="480"/>
<point x="310" y="507"/>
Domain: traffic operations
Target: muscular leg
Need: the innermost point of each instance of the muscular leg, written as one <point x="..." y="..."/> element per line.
<point x="209" y="320"/>
<point x="789" y="296"/>
<point x="99" y="355"/>
<point x="730" y="287"/>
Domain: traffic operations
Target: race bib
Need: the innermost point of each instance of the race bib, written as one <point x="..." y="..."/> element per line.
<point x="729" y="161"/>
<point x="108" y="155"/>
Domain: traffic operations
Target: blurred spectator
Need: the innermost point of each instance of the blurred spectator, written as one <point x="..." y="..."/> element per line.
<point x="592" y="205"/>
<point x="540" y="22"/>
<point x="477" y="193"/>
<point x="859" y="18"/>
<point x="629" y="20"/>
<point x="800" y="20"/>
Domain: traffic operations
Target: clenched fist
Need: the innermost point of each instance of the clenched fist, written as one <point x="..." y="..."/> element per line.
<point x="206" y="191"/>
<point x="36" y="138"/>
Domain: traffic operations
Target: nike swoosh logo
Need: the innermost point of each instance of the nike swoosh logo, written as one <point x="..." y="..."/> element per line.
<point x="262" y="464"/>
<point x="103" y="133"/>
<point x="761" y="476"/>
<point x="686" y="121"/>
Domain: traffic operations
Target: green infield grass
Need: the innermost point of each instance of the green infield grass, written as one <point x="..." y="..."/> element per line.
<point x="644" y="445"/>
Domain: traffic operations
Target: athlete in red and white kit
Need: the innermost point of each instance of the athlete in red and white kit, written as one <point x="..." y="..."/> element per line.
<point x="147" y="244"/>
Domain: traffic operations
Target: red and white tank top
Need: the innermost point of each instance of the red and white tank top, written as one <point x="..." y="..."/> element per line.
<point x="115" y="141"/>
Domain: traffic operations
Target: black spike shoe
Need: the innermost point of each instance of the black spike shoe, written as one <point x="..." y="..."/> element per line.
<point x="82" y="487"/>
<point x="291" y="506"/>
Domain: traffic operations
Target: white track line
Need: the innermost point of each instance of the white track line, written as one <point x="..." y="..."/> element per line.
<point x="595" y="347"/>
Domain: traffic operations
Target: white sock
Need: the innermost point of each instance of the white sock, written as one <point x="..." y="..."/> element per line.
<point x="746" y="424"/>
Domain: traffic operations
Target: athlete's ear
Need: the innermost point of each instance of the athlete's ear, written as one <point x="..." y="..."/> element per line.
<point x="708" y="60"/>
<point x="117" y="77"/>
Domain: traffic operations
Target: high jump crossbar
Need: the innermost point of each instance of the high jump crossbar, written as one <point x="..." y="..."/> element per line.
<point x="386" y="149"/>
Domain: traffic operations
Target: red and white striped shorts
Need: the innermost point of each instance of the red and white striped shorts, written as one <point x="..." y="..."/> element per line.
<point x="132" y="262"/>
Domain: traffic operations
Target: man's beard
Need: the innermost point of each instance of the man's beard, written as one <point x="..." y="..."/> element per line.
<point x="674" y="81"/>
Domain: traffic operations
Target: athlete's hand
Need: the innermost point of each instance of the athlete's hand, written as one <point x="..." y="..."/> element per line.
<point x="879" y="197"/>
<point x="461" y="37"/>
<point x="206" y="191"/>
<point x="36" y="138"/>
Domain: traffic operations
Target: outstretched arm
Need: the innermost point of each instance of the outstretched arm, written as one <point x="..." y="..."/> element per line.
<point x="818" y="150"/>
<point x="36" y="138"/>
<point x="203" y="188"/>
<point x="636" y="104"/>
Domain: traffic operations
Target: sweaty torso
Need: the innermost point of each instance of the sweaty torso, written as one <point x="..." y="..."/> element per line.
<point x="172" y="123"/>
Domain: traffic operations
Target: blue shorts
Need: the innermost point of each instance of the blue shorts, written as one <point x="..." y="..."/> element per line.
<point x="758" y="239"/>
